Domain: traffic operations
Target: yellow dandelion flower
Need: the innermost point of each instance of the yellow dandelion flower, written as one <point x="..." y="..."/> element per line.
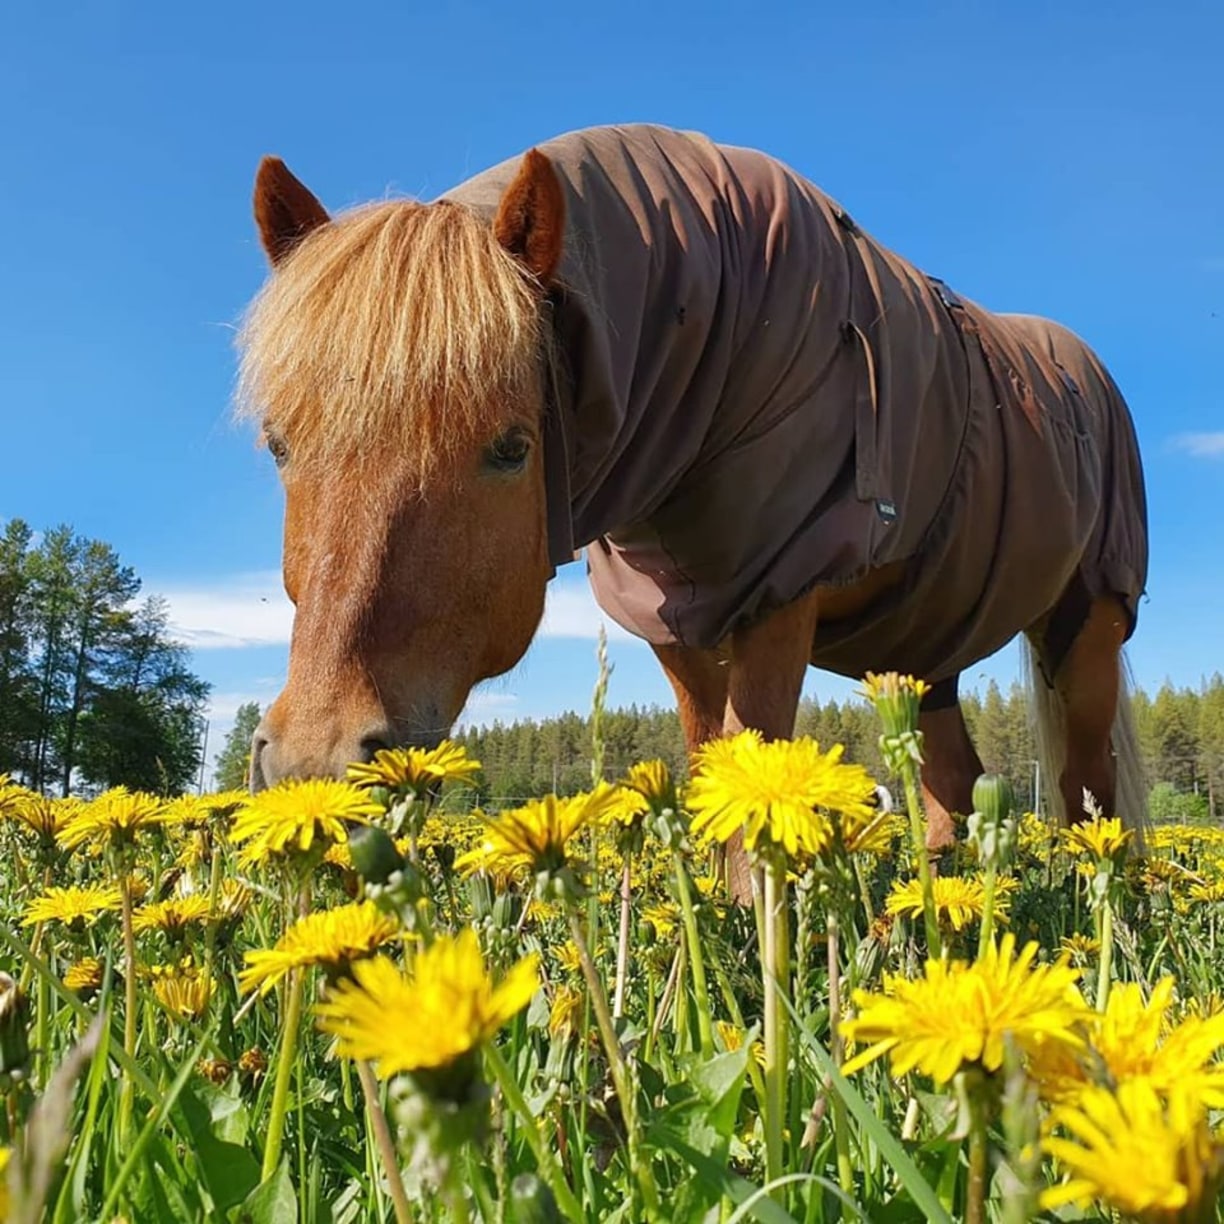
<point x="1205" y="1006"/>
<point x="332" y="938"/>
<point x="339" y="855"/>
<point x="733" y="1039"/>
<point x="185" y="995"/>
<point x="566" y="1012"/>
<point x="114" y="819"/>
<point x="74" y="904"/>
<point x="874" y="834"/>
<point x="44" y="817"/>
<point x="85" y="976"/>
<point x="448" y="1006"/>
<point x="297" y="814"/>
<point x="194" y="850"/>
<point x="536" y="835"/>
<point x="414" y="769"/>
<point x="958" y="901"/>
<point x="1152" y="1161"/>
<point x="172" y="916"/>
<point x="775" y="791"/>
<point x="662" y="917"/>
<point x="1208" y="894"/>
<point x="959" y="1013"/>
<point x="1134" y="1040"/>
<point x="543" y="911"/>
<point x="1079" y="946"/>
<point x="653" y="781"/>
<point x="233" y="899"/>
<point x="568" y="958"/>
<point x="1101" y="838"/>
<point x="222" y="805"/>
<point x="10" y="794"/>
<point x="190" y="811"/>
<point x="627" y="808"/>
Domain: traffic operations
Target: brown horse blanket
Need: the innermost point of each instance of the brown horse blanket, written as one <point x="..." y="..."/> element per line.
<point x="758" y="398"/>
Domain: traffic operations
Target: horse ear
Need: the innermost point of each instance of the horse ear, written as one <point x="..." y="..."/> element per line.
<point x="530" y="221"/>
<point x="285" y="210"/>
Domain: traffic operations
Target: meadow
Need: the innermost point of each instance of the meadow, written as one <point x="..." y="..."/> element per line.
<point x="356" y="1000"/>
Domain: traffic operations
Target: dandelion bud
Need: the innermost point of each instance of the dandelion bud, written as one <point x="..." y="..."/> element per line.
<point x="373" y="853"/>
<point x="14" y="1030"/>
<point x="480" y="896"/>
<point x="380" y="795"/>
<point x="991" y="827"/>
<point x="992" y="796"/>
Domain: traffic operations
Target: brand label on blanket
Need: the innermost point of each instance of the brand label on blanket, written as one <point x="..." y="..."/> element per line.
<point x="887" y="510"/>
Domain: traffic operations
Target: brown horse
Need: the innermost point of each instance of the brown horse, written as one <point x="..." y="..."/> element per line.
<point x="780" y="444"/>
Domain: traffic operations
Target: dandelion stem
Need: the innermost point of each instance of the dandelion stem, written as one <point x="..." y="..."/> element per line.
<point x="287" y="1057"/>
<point x="546" y="1159"/>
<point x="918" y="837"/>
<point x="616" y="1064"/>
<point x="841" y="1132"/>
<point x="214" y="919"/>
<point x="776" y="968"/>
<point x="986" y="938"/>
<point x="43" y="1032"/>
<point x="975" y="1201"/>
<point x="1106" y="937"/>
<point x="622" y="945"/>
<point x="384" y="1142"/>
<point x="696" y="959"/>
<point x="129" y="1003"/>
<point x="864" y="891"/>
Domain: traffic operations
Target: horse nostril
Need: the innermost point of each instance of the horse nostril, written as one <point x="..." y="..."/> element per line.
<point x="374" y="742"/>
<point x="258" y="779"/>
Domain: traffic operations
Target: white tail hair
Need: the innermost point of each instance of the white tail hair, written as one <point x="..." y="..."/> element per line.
<point x="1049" y="735"/>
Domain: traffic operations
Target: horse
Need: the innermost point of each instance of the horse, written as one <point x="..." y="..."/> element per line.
<point x="777" y="443"/>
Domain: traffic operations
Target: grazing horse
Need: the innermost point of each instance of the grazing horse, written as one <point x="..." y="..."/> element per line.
<point x="778" y="443"/>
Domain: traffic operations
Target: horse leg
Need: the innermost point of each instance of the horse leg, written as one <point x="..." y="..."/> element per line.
<point x="1087" y="681"/>
<point x="768" y="662"/>
<point x="699" y="679"/>
<point x="950" y="764"/>
<point x="754" y="682"/>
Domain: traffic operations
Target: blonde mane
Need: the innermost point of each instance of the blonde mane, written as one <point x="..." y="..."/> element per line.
<point x="397" y="325"/>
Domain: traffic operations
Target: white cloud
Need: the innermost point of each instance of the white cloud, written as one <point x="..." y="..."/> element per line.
<point x="245" y="610"/>
<point x="249" y="610"/>
<point x="570" y="611"/>
<point x="482" y="706"/>
<point x="1201" y="445"/>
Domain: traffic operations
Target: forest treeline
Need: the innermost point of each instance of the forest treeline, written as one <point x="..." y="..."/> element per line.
<point x="94" y="691"/>
<point x="1181" y="733"/>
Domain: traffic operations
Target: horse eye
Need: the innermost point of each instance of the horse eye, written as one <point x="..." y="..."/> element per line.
<point x="278" y="449"/>
<point x="508" y="451"/>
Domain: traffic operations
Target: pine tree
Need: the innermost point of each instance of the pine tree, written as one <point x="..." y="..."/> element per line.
<point x="18" y="709"/>
<point x="231" y="767"/>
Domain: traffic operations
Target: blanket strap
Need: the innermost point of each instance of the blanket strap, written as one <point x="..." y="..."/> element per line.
<point x="867" y="397"/>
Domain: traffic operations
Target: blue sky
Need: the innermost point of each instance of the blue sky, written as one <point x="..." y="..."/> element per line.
<point x="1058" y="159"/>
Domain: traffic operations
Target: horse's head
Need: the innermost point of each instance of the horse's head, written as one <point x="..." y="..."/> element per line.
<point x="394" y="361"/>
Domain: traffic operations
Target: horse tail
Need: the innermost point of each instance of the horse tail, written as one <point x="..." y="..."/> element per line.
<point x="1131" y="788"/>
<point x="1049" y="737"/>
